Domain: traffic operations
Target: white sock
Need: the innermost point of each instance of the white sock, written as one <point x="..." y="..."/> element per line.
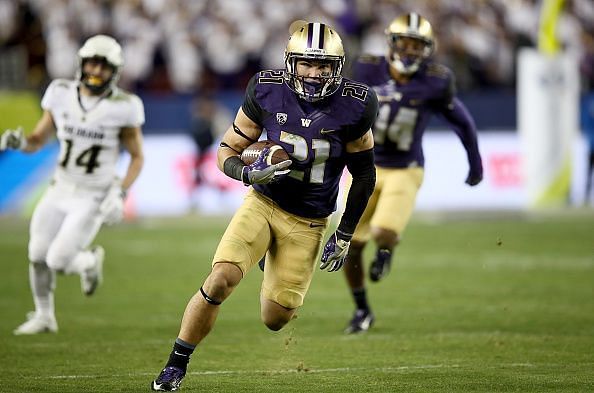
<point x="42" y="280"/>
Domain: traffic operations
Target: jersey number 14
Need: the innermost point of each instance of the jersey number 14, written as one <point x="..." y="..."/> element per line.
<point x="399" y="131"/>
<point x="87" y="158"/>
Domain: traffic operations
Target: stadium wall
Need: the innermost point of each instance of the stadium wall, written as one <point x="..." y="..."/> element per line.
<point x="167" y="185"/>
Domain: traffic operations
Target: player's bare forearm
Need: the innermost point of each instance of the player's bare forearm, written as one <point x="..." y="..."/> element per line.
<point x="131" y="138"/>
<point x="238" y="136"/>
<point x="41" y="133"/>
<point x="133" y="171"/>
<point x="227" y="148"/>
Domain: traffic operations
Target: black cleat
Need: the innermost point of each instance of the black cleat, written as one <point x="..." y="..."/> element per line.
<point x="380" y="266"/>
<point x="361" y="322"/>
<point x="169" y="380"/>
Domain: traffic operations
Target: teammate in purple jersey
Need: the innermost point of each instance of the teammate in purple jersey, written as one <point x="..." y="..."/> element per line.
<point x="324" y="122"/>
<point x="410" y="88"/>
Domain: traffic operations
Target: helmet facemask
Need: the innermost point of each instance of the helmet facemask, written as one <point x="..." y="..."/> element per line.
<point x="94" y="83"/>
<point x="314" y="43"/>
<point x="313" y="89"/>
<point x="408" y="57"/>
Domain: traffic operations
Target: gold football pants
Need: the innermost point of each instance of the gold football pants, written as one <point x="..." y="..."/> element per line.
<point x="292" y="245"/>
<point x="392" y="202"/>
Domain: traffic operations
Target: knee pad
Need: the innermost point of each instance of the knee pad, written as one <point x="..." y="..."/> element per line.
<point x="38" y="251"/>
<point x="59" y="256"/>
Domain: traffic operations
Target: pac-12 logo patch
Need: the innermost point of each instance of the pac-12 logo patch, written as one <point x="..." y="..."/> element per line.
<point x="281" y="118"/>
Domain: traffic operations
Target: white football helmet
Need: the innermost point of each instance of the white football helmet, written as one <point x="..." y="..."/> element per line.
<point x="106" y="48"/>
<point x="412" y="26"/>
<point x="313" y="41"/>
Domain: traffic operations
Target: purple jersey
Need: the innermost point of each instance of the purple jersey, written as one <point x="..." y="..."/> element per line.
<point x="405" y="111"/>
<point x="314" y="135"/>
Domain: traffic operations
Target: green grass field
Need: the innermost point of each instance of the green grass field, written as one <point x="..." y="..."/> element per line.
<point x="473" y="305"/>
<point x="19" y="109"/>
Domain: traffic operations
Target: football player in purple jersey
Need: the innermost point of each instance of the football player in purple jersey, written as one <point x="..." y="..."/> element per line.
<point x="410" y="89"/>
<point x="323" y="121"/>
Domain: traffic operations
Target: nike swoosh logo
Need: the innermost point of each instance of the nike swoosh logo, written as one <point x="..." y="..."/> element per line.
<point x="325" y="131"/>
<point x="314" y="225"/>
<point x="180" y="354"/>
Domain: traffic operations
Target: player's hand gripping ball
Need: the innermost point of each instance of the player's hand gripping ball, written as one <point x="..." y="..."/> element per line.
<point x="265" y="162"/>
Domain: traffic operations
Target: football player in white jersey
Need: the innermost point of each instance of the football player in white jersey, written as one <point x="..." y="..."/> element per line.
<point x="92" y="119"/>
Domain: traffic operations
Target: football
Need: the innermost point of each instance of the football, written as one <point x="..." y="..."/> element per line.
<point x="275" y="155"/>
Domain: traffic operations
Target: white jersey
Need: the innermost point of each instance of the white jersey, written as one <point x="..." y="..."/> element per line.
<point x="88" y="130"/>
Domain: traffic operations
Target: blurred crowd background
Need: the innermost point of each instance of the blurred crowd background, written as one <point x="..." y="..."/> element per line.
<point x="191" y="46"/>
<point x="190" y="61"/>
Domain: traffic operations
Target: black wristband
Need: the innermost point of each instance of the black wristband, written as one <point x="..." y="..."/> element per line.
<point x="344" y="235"/>
<point x="233" y="167"/>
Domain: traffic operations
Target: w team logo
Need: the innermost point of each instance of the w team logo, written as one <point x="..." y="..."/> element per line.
<point x="281" y="118"/>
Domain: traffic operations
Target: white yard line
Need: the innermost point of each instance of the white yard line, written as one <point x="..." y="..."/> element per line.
<point x="291" y="371"/>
